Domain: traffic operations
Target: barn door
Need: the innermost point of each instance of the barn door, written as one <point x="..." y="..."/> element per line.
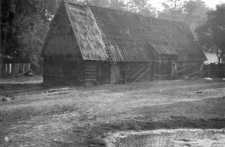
<point x="103" y="73"/>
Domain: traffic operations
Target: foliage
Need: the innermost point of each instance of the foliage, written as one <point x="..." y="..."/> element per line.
<point x="141" y="7"/>
<point x="24" y="25"/>
<point x="172" y="10"/>
<point x="136" y="6"/>
<point x="195" y="13"/>
<point x="211" y="34"/>
<point x="117" y="4"/>
<point x="192" y="12"/>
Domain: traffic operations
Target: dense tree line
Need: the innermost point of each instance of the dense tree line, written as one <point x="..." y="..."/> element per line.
<point x="23" y="27"/>
<point x="211" y="34"/>
<point x="24" y="23"/>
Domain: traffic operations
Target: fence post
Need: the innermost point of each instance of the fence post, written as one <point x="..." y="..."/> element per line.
<point x="17" y="68"/>
<point x="10" y="68"/>
<point x="23" y="69"/>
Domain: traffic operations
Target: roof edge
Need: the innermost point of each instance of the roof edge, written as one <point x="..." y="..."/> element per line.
<point x="68" y="12"/>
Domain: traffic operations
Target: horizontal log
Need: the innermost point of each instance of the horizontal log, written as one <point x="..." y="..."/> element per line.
<point x="162" y="61"/>
<point x="55" y="76"/>
<point x="72" y="75"/>
<point x="91" y="76"/>
<point x="90" y="70"/>
<point x="91" y="80"/>
<point x="161" y="75"/>
<point x="90" y="66"/>
<point x="91" y="73"/>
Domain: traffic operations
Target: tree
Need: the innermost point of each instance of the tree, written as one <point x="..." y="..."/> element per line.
<point x="192" y="12"/>
<point x="172" y="10"/>
<point x="102" y="3"/>
<point x="141" y="7"/>
<point x="195" y="13"/>
<point x="24" y="25"/>
<point x="211" y="34"/>
<point x="117" y="4"/>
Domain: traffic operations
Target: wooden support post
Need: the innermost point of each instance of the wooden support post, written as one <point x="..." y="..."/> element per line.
<point x="152" y="72"/>
<point x="160" y="67"/>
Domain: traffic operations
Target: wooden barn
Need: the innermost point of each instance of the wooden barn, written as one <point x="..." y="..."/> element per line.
<point x="90" y="44"/>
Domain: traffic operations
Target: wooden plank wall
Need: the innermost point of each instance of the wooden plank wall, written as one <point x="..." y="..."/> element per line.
<point x="132" y="68"/>
<point x="186" y="69"/>
<point x="161" y="70"/>
<point x="103" y="72"/>
<point x="96" y="72"/>
<point x="214" y="70"/>
<point x="91" y="71"/>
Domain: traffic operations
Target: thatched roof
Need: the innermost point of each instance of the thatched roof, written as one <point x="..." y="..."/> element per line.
<point x="60" y="40"/>
<point x="155" y="36"/>
<point x="129" y="36"/>
<point x="87" y="32"/>
<point x="74" y="31"/>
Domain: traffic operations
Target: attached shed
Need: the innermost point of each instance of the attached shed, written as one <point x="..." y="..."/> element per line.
<point x="100" y="45"/>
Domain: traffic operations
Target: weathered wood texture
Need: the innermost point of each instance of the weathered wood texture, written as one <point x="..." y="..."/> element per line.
<point x="75" y="72"/>
<point x="103" y="72"/>
<point x="162" y="70"/>
<point x="60" y="40"/>
<point x="214" y="70"/>
<point x="83" y="72"/>
<point x="133" y="70"/>
<point x="55" y="70"/>
<point x="91" y="71"/>
<point x="188" y="69"/>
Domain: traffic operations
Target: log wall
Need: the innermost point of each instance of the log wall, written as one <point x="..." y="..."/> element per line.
<point x="79" y="72"/>
<point x="91" y="71"/>
<point x="75" y="72"/>
<point x="62" y="71"/>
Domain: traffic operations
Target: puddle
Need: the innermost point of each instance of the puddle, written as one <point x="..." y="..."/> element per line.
<point x="168" y="138"/>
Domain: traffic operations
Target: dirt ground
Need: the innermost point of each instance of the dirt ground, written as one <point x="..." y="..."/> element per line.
<point x="77" y="116"/>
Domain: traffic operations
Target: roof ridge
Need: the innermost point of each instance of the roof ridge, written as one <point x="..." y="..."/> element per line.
<point x="126" y="11"/>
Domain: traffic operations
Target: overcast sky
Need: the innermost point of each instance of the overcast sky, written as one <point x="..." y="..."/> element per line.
<point x="213" y="3"/>
<point x="209" y="3"/>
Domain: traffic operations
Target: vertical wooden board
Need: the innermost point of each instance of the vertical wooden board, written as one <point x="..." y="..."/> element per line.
<point x="6" y="68"/>
<point x="20" y="67"/>
<point x="103" y="73"/>
<point x="23" y="67"/>
<point x="91" y="71"/>
<point x="29" y="66"/>
<point x="15" y="68"/>
<point x="10" y="68"/>
<point x="136" y="70"/>
<point x="112" y="75"/>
